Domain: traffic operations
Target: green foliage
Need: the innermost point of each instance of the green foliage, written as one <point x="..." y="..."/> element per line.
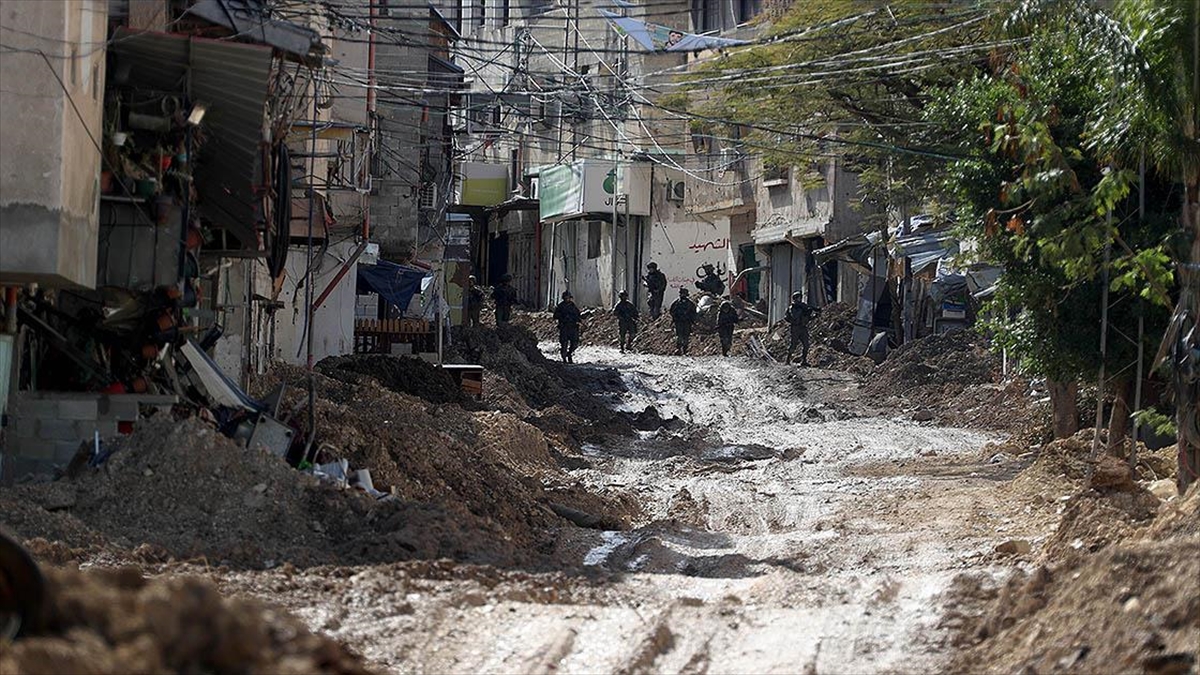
<point x="1163" y="425"/>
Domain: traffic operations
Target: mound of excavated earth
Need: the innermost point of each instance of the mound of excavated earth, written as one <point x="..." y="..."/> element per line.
<point x="115" y="621"/>
<point x="189" y="492"/>
<point x="1125" y="602"/>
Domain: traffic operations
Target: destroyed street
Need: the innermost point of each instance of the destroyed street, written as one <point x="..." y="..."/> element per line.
<point x="369" y="337"/>
<point x="720" y="515"/>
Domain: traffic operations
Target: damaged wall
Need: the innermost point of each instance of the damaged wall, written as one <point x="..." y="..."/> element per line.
<point x="50" y="167"/>
<point x="333" y="321"/>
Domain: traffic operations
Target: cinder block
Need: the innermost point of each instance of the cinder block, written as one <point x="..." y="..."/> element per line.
<point x="122" y="410"/>
<point x="87" y="430"/>
<point x="33" y="449"/>
<point x="24" y="427"/>
<point x="33" y="408"/>
<point x="78" y="409"/>
<point x="64" y="451"/>
<point x="58" y="430"/>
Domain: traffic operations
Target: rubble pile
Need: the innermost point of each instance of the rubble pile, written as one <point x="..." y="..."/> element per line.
<point x="833" y="326"/>
<point x="116" y="621"/>
<point x="956" y="378"/>
<point x="655" y="336"/>
<point x="1127" y="606"/>
<point x="540" y="385"/>
<point x="947" y="361"/>
<point x="413" y="376"/>
<point x="191" y="492"/>
<point x="511" y="352"/>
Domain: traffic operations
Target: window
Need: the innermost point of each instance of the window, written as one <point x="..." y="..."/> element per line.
<point x="593" y="239"/>
<point x="706" y="15"/>
<point x="503" y="12"/>
<point x="748" y="9"/>
<point x="480" y="13"/>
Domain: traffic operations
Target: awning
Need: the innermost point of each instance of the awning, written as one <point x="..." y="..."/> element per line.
<point x="250" y="22"/>
<point x="781" y="231"/>
<point x="231" y="79"/>
<point x="926" y="249"/>
<point x="980" y="280"/>
<point x="854" y="250"/>
<point x="396" y="283"/>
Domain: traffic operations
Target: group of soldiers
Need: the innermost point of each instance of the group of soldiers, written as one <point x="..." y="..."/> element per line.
<point x="683" y="315"/>
<point x="503" y="295"/>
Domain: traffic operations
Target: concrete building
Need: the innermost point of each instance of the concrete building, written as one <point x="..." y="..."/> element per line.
<point x="551" y="86"/>
<point x="555" y="97"/>
<point x="51" y="118"/>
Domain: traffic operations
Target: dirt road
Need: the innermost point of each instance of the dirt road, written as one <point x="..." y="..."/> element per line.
<point x="789" y="528"/>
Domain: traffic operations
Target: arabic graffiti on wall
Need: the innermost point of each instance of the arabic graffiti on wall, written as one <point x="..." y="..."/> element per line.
<point x="680" y="248"/>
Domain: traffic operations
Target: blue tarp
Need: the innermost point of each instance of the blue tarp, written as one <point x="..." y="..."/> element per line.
<point x="394" y="282"/>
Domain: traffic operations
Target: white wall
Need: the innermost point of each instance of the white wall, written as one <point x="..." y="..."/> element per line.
<point x="680" y="247"/>
<point x="333" y="321"/>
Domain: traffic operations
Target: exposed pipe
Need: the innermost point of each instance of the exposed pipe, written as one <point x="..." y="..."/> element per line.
<point x="366" y="199"/>
<point x="338" y="277"/>
<point x="308" y="278"/>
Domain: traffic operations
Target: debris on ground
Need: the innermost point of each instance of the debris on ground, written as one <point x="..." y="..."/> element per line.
<point x="403" y="375"/>
<point x="1129" y="606"/>
<point x="194" y="493"/>
<point x="540" y="389"/>
<point x="117" y="621"/>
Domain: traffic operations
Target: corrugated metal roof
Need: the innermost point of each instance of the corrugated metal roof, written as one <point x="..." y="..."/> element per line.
<point x="231" y="79"/>
<point x="926" y="248"/>
<point x="780" y="231"/>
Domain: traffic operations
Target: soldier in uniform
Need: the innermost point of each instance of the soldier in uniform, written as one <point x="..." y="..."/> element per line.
<point x="683" y="315"/>
<point x="627" y="316"/>
<point x="568" y="316"/>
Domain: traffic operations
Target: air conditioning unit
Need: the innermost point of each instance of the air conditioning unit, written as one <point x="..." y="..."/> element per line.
<point x="675" y="191"/>
<point x="427" y="197"/>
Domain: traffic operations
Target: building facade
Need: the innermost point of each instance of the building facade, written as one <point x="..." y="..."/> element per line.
<point x="557" y="86"/>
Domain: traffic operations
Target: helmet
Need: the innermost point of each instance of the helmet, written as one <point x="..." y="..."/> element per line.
<point x="623" y="294"/>
<point x="471" y="278"/>
<point x="506" y="277"/>
<point x="652" y="266"/>
<point x="683" y="292"/>
<point x="566" y="295"/>
<point x="797" y="295"/>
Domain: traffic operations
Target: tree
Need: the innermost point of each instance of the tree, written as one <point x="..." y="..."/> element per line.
<point x="1154" y="112"/>
<point x="1009" y="95"/>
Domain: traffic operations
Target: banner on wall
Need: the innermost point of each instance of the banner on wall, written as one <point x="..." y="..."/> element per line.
<point x="483" y="184"/>
<point x="590" y="187"/>
<point x="655" y="38"/>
